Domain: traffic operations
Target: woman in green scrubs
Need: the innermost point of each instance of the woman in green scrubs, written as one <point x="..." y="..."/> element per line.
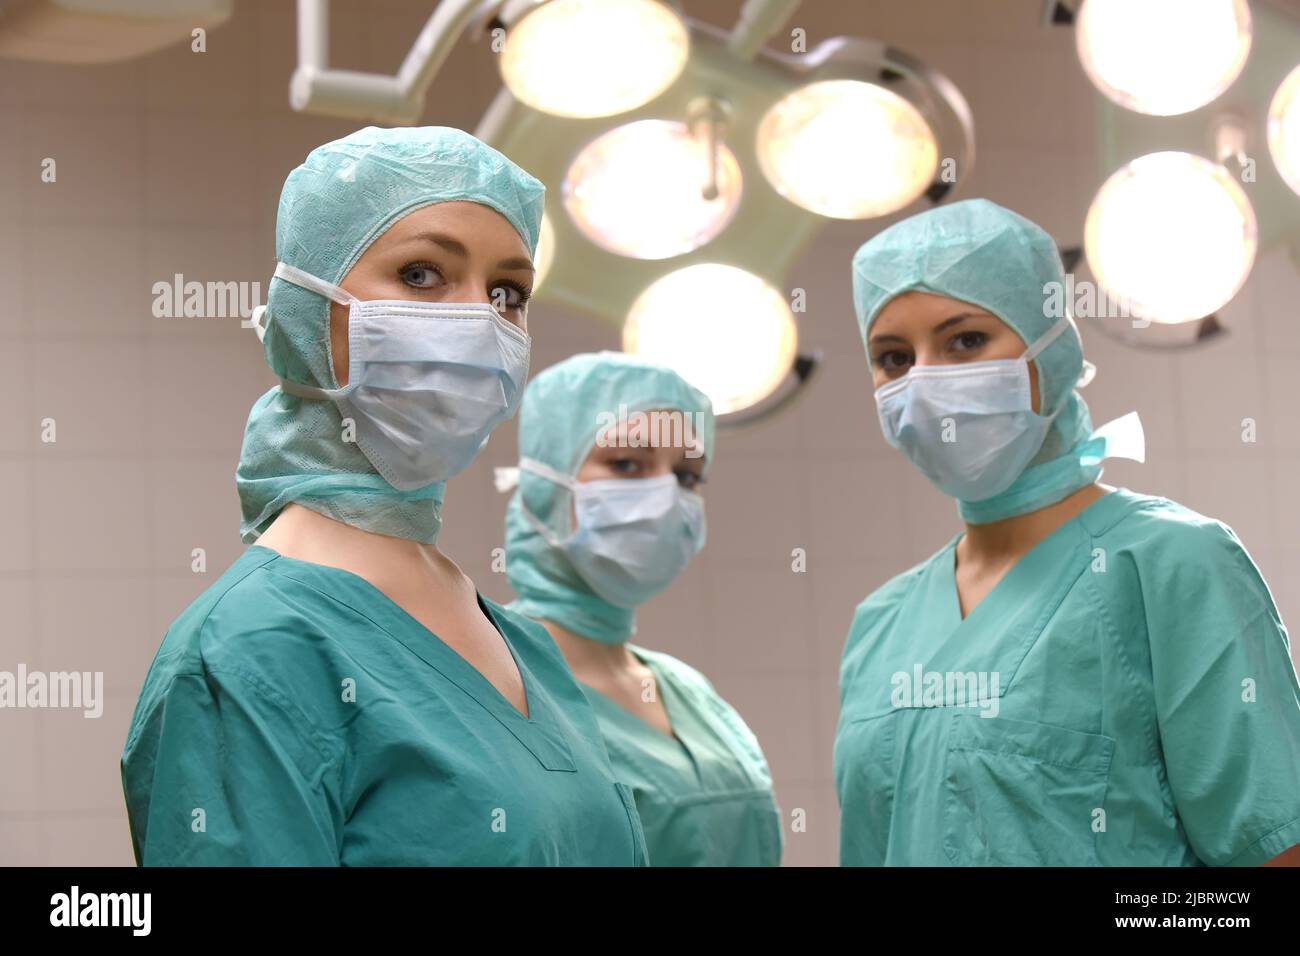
<point x="1086" y="675"/>
<point x="342" y="695"/>
<point x="607" y="514"/>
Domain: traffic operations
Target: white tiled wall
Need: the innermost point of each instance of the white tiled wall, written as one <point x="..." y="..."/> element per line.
<point x="174" y="164"/>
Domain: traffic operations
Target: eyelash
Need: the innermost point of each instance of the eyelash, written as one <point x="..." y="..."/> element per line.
<point x="981" y="339"/>
<point x="419" y="265"/>
<point x="695" y="479"/>
<point x="524" y="293"/>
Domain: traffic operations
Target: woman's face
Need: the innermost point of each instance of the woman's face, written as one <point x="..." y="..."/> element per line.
<point x="447" y="252"/>
<point x="920" y="328"/>
<point x="614" y="455"/>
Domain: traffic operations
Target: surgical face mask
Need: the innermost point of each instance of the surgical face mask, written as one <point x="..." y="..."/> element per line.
<point x="970" y="428"/>
<point x="633" y="536"/>
<point x="427" y="381"/>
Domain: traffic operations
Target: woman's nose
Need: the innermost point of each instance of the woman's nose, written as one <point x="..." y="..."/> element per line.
<point x="476" y="291"/>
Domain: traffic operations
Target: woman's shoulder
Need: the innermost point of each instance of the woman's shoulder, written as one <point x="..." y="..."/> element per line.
<point x="245" y="621"/>
<point x="691" y="682"/>
<point x="1156" y="526"/>
<point x="1183" y="561"/>
<point x="675" y="668"/>
<point x="245" y="632"/>
<point x="896" y="589"/>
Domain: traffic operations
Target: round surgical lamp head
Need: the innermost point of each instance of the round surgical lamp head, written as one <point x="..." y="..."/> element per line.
<point x="652" y="189"/>
<point x="723" y="329"/>
<point x="588" y="58"/>
<point x="1163" y="57"/>
<point x="1284" y="129"/>
<point x="1172" y="236"/>
<point x="847" y="149"/>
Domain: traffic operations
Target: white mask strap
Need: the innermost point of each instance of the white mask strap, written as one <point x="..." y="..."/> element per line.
<point x="1087" y="375"/>
<point x="544" y="470"/>
<point x="308" y="281"/>
<point x="307" y="391"/>
<point x="332" y="292"/>
<point x="258" y="321"/>
<point x="1047" y="339"/>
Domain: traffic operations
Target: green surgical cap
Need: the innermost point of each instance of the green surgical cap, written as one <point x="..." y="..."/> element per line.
<point x="563" y="410"/>
<point x="979" y="252"/>
<point x="347" y="194"/>
<point x="344" y="196"/>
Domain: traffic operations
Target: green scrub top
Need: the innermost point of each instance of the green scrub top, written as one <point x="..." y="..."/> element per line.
<point x="1145" y="711"/>
<point x="705" y="794"/>
<point x="296" y="715"/>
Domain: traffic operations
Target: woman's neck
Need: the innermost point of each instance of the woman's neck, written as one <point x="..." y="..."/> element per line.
<point x="1012" y="537"/>
<point x="301" y="533"/>
<point x="587" y="656"/>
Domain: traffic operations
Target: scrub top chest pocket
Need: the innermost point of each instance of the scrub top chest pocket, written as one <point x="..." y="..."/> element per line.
<point x="1019" y="793"/>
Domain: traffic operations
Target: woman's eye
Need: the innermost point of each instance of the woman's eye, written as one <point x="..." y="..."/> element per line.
<point x="507" y="296"/>
<point x="625" y="466"/>
<point x="893" y="361"/>
<point x="689" y="480"/>
<point x="967" y="341"/>
<point x="420" y="275"/>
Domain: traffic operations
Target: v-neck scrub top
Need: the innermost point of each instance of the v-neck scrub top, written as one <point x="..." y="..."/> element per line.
<point x="296" y="715"/>
<point x="1146" y="709"/>
<point x="704" y="795"/>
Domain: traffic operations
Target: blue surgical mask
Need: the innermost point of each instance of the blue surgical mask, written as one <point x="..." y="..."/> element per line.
<point x="427" y="381"/>
<point x="633" y="536"/>
<point x="971" y="427"/>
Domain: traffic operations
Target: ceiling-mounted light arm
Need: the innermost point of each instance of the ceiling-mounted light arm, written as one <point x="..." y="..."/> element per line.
<point x="712" y="114"/>
<point x="315" y="88"/>
<point x="1230" y="140"/>
<point x="759" y="20"/>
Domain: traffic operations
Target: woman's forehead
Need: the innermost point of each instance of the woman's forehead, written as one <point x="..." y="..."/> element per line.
<point x="669" y="428"/>
<point x="914" y="307"/>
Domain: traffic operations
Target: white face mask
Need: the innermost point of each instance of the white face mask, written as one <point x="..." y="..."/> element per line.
<point x="634" y="536"/>
<point x="427" y="381"/>
<point x="970" y="428"/>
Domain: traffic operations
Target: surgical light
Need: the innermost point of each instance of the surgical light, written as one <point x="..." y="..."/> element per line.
<point x="587" y="58"/>
<point x="721" y="328"/>
<point x="847" y="149"/>
<point x="1172" y="235"/>
<point x="652" y="189"/>
<point x="1163" y="57"/>
<point x="1284" y="129"/>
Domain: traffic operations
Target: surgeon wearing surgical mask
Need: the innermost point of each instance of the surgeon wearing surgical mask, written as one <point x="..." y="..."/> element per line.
<point x="1085" y="675"/>
<point x="607" y="514"/>
<point x="342" y="695"/>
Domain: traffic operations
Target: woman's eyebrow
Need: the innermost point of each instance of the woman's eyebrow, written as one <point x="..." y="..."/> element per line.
<point x="950" y="322"/>
<point x="877" y="339"/>
<point x="516" y="263"/>
<point x="958" y="318"/>
<point x="945" y="324"/>
<point x="454" y="246"/>
<point x="457" y="248"/>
